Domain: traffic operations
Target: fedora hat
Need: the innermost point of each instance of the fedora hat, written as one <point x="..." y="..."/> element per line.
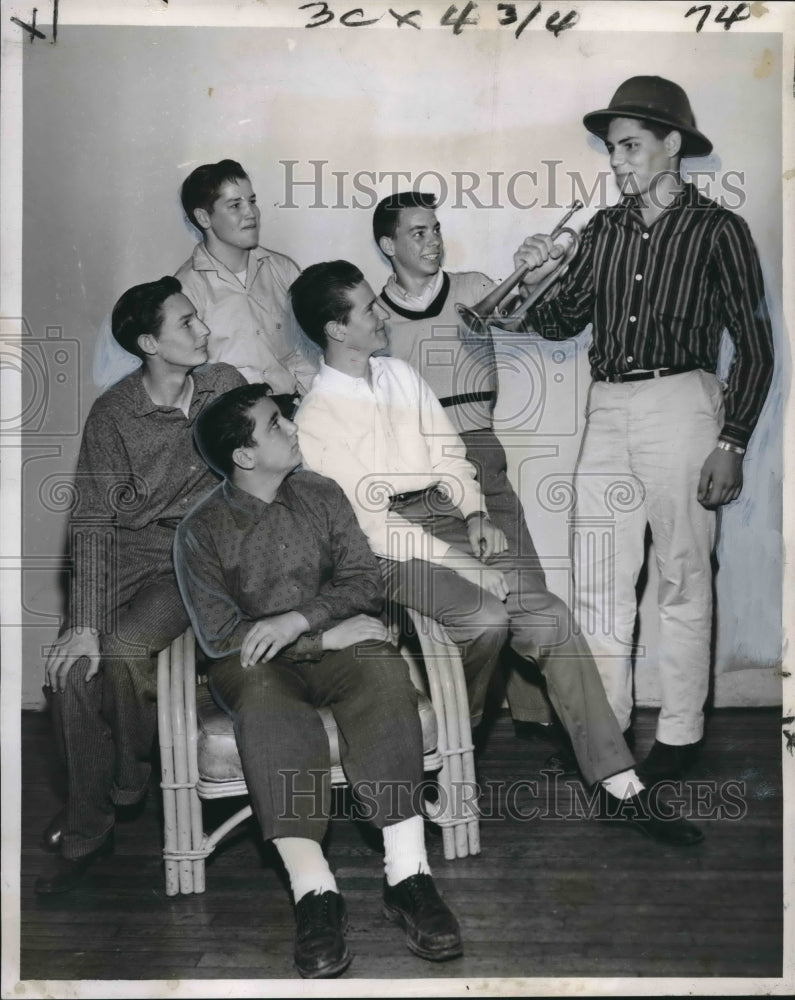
<point x="656" y="100"/>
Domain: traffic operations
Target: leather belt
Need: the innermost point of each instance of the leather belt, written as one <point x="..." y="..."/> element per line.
<point x="469" y="397"/>
<point x="413" y="494"/>
<point x="640" y="376"/>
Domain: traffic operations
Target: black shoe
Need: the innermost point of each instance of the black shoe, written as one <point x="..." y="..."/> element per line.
<point x="431" y="929"/>
<point x="51" y="837"/>
<point x="563" y="761"/>
<point x="535" y="732"/>
<point x="665" y="761"/>
<point x="562" y="758"/>
<point x="320" y="948"/>
<point x="649" y="816"/>
<point x="66" y="874"/>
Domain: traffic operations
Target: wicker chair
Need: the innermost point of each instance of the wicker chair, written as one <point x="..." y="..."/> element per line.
<point x="199" y="758"/>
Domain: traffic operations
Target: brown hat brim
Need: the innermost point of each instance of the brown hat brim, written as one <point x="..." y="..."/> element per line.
<point x="693" y="142"/>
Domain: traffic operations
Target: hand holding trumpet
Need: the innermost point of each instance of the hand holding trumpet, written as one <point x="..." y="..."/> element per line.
<point x="540" y="255"/>
<point x="540" y="262"/>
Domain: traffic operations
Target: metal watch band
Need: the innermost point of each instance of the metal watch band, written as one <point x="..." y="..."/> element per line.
<point x="728" y="446"/>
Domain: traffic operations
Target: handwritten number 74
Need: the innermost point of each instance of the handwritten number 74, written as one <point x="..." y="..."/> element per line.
<point x="740" y="13"/>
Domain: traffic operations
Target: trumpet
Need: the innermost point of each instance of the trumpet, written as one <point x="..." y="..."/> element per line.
<point x="492" y="311"/>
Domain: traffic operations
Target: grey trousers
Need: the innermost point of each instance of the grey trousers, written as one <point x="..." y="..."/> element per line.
<point x="284" y="748"/>
<point x="105" y="728"/>
<point x="526" y="698"/>
<point x="540" y="628"/>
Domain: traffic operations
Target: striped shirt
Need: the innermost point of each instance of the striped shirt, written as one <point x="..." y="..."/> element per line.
<point x="660" y="296"/>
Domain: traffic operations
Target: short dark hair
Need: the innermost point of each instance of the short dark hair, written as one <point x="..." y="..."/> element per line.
<point x="225" y="424"/>
<point x="657" y="129"/>
<point x="201" y="187"/>
<point x="387" y="212"/>
<point x="140" y="311"/>
<point x="320" y="295"/>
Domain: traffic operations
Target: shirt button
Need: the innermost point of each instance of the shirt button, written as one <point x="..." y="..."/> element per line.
<point x="645" y="236"/>
<point x="278" y="326"/>
<point x="282" y="546"/>
<point x="632" y="319"/>
<point x="638" y="277"/>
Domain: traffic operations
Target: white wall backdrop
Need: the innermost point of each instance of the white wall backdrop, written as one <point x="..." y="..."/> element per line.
<point x="116" y="117"/>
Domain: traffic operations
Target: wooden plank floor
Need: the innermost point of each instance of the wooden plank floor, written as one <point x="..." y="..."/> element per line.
<point x="555" y="895"/>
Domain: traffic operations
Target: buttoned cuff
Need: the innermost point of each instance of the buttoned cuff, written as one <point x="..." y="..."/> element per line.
<point x="735" y="434"/>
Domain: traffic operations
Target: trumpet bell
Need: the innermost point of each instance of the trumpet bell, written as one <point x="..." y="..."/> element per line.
<point x="476" y="324"/>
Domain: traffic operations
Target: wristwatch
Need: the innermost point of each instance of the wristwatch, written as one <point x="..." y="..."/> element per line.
<point x="728" y="446"/>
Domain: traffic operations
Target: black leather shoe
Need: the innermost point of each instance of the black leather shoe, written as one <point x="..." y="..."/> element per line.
<point x="667" y="762"/>
<point x="432" y="931"/>
<point x="563" y="761"/>
<point x="649" y="816"/>
<point x="562" y="758"/>
<point x="535" y="732"/>
<point x="66" y="874"/>
<point x="320" y="948"/>
<point x="51" y="837"/>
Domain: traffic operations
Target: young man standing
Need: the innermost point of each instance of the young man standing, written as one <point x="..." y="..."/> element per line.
<point x="238" y="287"/>
<point x="422" y="324"/>
<point x="660" y="275"/>
<point x="372" y="424"/>
<point x="283" y="593"/>
<point x="138" y="472"/>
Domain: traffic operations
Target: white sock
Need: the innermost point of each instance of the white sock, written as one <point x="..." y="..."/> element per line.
<point x="306" y="866"/>
<point x="623" y="785"/>
<point x="404" y="850"/>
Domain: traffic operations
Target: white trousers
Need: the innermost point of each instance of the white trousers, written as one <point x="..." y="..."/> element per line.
<point x="640" y="462"/>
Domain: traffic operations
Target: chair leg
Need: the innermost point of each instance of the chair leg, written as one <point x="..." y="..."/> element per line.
<point x="184" y="844"/>
<point x="167" y="771"/>
<point x="197" y="839"/>
<point x="457" y="809"/>
<point x="468" y="807"/>
<point x="457" y="814"/>
<point x="436" y="812"/>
